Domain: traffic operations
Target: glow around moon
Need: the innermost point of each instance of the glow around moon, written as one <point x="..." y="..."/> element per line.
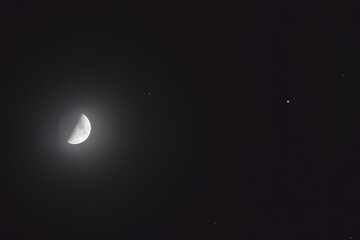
<point x="81" y="131"/>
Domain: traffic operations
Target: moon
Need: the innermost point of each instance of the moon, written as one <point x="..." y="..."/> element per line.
<point x="75" y="128"/>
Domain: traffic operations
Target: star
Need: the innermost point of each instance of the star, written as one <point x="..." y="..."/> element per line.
<point x="287" y="101"/>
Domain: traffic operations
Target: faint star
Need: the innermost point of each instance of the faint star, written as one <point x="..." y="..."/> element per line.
<point x="149" y="93"/>
<point x="342" y="75"/>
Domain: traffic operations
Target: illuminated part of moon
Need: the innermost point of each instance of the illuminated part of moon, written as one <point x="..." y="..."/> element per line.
<point x="75" y="128"/>
<point x="81" y="131"/>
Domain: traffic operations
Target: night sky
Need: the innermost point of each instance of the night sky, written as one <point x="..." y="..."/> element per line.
<point x="209" y="120"/>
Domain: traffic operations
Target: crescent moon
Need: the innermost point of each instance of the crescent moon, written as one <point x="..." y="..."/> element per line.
<point x="75" y="128"/>
<point x="81" y="131"/>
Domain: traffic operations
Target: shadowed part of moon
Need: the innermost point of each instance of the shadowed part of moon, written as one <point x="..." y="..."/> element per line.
<point x="74" y="128"/>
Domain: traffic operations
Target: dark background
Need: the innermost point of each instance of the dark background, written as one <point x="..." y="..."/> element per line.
<point x="209" y="120"/>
